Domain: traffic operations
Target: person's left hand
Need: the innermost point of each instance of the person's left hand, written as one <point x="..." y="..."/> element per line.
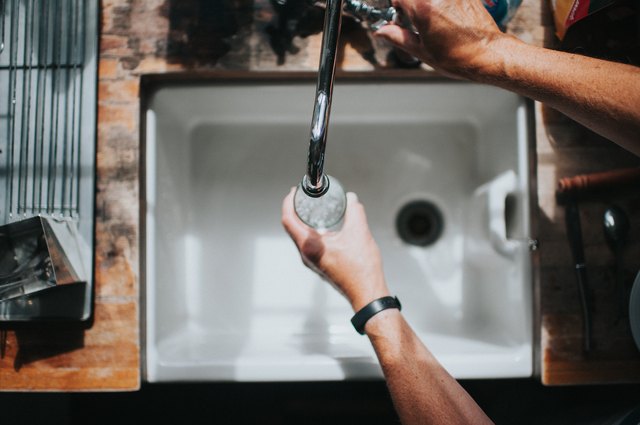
<point x="348" y="258"/>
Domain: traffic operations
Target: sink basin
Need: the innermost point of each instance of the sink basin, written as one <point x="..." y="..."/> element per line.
<point x="442" y="170"/>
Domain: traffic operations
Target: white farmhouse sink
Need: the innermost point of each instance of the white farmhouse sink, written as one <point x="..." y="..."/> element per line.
<point x="226" y="295"/>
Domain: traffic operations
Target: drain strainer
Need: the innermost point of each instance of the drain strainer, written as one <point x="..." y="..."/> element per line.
<point x="419" y="223"/>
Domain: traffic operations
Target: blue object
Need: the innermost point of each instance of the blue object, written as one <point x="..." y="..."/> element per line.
<point x="502" y="10"/>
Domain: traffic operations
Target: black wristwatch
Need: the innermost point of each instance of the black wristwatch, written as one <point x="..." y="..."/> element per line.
<point x="374" y="307"/>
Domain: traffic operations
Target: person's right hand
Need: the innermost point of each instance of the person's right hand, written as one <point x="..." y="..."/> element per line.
<point x="455" y="37"/>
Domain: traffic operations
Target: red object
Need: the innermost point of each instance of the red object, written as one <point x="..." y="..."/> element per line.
<point x="607" y="180"/>
<point x="579" y="10"/>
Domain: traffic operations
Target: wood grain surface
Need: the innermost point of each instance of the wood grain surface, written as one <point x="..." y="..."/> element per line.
<point x="160" y="36"/>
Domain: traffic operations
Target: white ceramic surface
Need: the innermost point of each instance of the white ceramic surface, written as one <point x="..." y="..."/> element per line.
<point x="226" y="295"/>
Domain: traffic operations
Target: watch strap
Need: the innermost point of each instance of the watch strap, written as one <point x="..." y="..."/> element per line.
<point x="360" y="319"/>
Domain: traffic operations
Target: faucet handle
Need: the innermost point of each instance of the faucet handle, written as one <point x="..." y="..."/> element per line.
<point x="372" y="11"/>
<point x="376" y="13"/>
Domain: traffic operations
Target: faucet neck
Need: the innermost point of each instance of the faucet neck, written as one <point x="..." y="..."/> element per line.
<point x="315" y="181"/>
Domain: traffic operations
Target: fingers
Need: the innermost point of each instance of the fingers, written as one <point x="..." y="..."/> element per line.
<point x="355" y="210"/>
<point x="401" y="38"/>
<point x="397" y="3"/>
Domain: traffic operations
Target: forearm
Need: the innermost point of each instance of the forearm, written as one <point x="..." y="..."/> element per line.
<point x="423" y="392"/>
<point x="601" y="95"/>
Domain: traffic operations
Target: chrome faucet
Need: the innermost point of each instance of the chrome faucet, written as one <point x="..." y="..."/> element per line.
<point x="320" y="200"/>
<point x="375" y="16"/>
<point x="315" y="182"/>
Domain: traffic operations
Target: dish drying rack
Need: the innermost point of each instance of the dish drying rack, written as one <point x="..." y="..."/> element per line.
<point x="48" y="75"/>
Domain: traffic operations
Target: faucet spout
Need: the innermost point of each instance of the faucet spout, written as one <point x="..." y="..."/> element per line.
<point x="315" y="184"/>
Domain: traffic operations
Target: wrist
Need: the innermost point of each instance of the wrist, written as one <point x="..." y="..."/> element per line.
<point x="492" y="67"/>
<point x="384" y="323"/>
<point x="360" y="319"/>
<point x="368" y="294"/>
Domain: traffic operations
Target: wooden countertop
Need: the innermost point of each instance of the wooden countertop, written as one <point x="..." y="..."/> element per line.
<point x="157" y="36"/>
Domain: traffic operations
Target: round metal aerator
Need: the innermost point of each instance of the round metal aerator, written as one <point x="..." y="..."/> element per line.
<point x="312" y="191"/>
<point x="419" y="223"/>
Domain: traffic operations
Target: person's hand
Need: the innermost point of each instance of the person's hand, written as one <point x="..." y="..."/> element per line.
<point x="455" y="37"/>
<point x="348" y="258"/>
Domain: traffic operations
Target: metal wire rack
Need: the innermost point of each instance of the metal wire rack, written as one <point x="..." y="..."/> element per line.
<point x="43" y="105"/>
<point x="48" y="77"/>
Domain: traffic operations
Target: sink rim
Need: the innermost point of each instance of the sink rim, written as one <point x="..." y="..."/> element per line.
<point x="154" y="83"/>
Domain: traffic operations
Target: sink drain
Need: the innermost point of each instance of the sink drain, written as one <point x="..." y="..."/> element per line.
<point x="419" y="223"/>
